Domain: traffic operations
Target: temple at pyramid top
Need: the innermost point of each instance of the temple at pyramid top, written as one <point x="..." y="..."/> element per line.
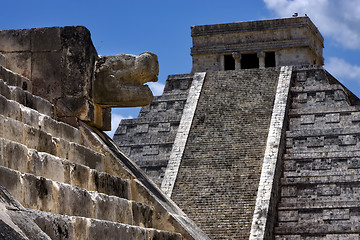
<point x="256" y="44"/>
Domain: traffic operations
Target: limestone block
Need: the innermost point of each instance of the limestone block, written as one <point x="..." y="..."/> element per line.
<point x="57" y="227"/>
<point x="12" y="130"/>
<point x="332" y="118"/>
<point x="107" y="230"/>
<point x="15" y="40"/>
<point x="11" y="180"/>
<point x="151" y="150"/>
<point x="79" y="176"/>
<point x="18" y="95"/>
<point x="302" y="97"/>
<point x="142" y="214"/>
<point x="112" y="208"/>
<point x="62" y="148"/>
<point x="9" y="109"/>
<point x="353" y="163"/>
<point x="339" y="95"/>
<point x="82" y="155"/>
<point x="289" y="191"/>
<point x="328" y="190"/>
<point x="301" y="76"/>
<point x="60" y="130"/>
<point x="307" y="119"/>
<point x="347" y="140"/>
<point x="45" y="39"/>
<point x="142" y="128"/>
<point x="30" y="117"/>
<point x="14" y="155"/>
<point x="288" y="216"/>
<point x="336" y="214"/>
<point x="73" y="201"/>
<point x="48" y="166"/>
<point x="39" y="104"/>
<point x="45" y="77"/>
<point x="18" y="62"/>
<point x="38" y="193"/>
<point x="4" y="89"/>
<point x="110" y="185"/>
<point x="39" y="140"/>
<point x="80" y="227"/>
<point x="355" y="116"/>
<point x="119" y="80"/>
<point x="116" y="168"/>
<point x="315" y="141"/>
<point x="322" y="164"/>
<point x="121" y="130"/>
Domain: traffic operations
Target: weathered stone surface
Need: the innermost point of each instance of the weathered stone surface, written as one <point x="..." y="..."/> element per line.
<point x="318" y="188"/>
<point x="119" y="80"/>
<point x="297" y="41"/>
<point x="222" y="159"/>
<point x="2" y="60"/>
<point x="148" y="139"/>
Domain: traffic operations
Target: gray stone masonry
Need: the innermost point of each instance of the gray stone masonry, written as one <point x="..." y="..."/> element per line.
<point x="320" y="180"/>
<point x="148" y="139"/>
<point x="293" y="41"/>
<point x="182" y="134"/>
<point x="264" y="218"/>
<point x="220" y="169"/>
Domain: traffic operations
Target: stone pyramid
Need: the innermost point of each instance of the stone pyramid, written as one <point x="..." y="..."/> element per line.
<point x="259" y="141"/>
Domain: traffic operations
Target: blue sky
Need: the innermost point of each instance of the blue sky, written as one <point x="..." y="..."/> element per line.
<point x="163" y="27"/>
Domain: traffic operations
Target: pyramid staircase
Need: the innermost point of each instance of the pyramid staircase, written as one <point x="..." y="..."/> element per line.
<point x="69" y="182"/>
<point x="320" y="183"/>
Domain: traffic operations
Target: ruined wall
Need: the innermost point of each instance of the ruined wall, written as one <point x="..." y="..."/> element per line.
<point x="219" y="173"/>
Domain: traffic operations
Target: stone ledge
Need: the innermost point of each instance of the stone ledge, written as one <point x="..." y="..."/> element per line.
<point x="323" y="132"/>
<point x="321" y="179"/>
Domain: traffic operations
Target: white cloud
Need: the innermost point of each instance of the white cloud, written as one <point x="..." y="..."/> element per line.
<point x="156" y="87"/>
<point x="336" y="19"/>
<point x="343" y="70"/>
<point x="115" y="120"/>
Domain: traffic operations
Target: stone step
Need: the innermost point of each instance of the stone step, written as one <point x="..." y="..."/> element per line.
<point x="323" y="110"/>
<point x="327" y="132"/>
<point x="40" y="140"/>
<point x="34" y="118"/>
<point x="335" y="147"/>
<point x="50" y="196"/>
<point x="338" y="227"/>
<point x="342" y="177"/>
<point x="14" y="79"/>
<point x="61" y="170"/>
<point x="317" y="88"/>
<point x="305" y="204"/>
<point x="27" y="99"/>
<point x="311" y="105"/>
<point x="79" y="228"/>
<point x="321" y="155"/>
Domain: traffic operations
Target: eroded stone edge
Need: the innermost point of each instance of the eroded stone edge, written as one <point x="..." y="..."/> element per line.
<point x="266" y="197"/>
<point x="182" y="134"/>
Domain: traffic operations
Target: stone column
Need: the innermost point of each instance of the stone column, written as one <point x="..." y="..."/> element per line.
<point x="261" y="56"/>
<point x="237" y="57"/>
